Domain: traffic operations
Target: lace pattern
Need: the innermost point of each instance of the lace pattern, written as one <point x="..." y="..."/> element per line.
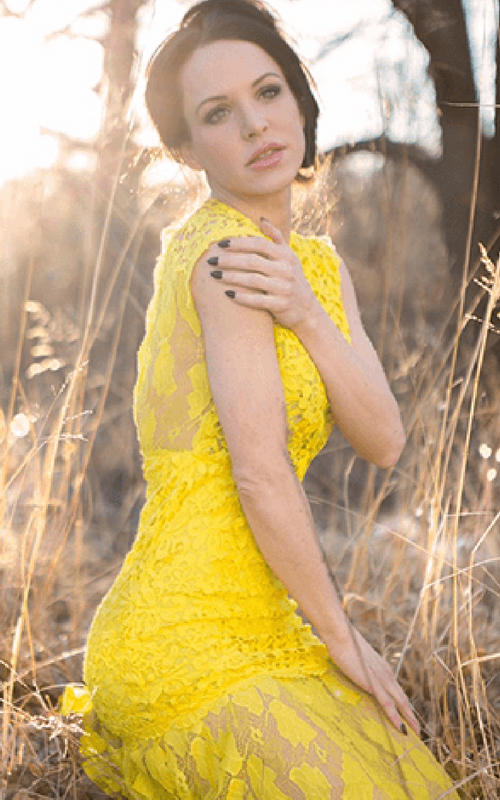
<point x="204" y="681"/>
<point x="269" y="739"/>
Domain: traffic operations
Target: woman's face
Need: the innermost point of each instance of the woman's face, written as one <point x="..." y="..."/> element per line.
<point x="246" y="130"/>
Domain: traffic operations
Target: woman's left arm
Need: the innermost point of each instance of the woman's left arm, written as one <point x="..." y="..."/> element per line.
<point x="362" y="403"/>
<point x="270" y="277"/>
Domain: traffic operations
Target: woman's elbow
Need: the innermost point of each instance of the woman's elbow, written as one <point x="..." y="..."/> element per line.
<point x="388" y="455"/>
<point x="260" y="477"/>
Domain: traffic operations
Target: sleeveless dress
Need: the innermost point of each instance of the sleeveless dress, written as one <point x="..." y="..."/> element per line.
<point x="202" y="681"/>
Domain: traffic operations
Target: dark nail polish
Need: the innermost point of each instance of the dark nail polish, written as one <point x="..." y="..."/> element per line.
<point x="404" y="729"/>
<point x="224" y="243"/>
<point x="216" y="273"/>
<point x="231" y="294"/>
<point x="213" y="261"/>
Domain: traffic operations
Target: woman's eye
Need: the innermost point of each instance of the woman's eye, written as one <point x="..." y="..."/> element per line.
<point x="268" y="92"/>
<point x="215" y="115"/>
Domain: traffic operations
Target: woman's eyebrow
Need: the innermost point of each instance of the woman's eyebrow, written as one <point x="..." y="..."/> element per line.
<point x="218" y="97"/>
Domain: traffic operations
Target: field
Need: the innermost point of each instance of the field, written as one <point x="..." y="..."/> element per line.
<point x="415" y="550"/>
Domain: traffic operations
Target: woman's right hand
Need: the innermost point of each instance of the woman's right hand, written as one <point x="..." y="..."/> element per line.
<point x="357" y="659"/>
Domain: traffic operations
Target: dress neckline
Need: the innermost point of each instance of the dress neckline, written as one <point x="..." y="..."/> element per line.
<point x="214" y="202"/>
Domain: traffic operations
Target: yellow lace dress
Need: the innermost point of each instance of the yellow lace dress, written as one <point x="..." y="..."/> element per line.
<point x="201" y="679"/>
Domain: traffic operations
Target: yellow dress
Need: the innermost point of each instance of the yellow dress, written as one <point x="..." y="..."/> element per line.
<point x="204" y="681"/>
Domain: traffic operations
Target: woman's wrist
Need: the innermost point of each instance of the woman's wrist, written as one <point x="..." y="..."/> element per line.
<point x="338" y="635"/>
<point x="307" y="325"/>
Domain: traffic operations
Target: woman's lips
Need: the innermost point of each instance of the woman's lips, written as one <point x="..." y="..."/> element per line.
<point x="267" y="157"/>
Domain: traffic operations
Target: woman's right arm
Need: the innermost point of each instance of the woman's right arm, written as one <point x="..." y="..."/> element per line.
<point x="248" y="392"/>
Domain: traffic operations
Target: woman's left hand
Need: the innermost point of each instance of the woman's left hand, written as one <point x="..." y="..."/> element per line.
<point x="265" y="273"/>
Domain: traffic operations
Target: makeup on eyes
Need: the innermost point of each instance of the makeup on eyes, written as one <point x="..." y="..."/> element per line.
<point x="224" y="98"/>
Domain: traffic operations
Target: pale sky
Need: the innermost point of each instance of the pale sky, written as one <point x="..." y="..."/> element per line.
<point x="375" y="81"/>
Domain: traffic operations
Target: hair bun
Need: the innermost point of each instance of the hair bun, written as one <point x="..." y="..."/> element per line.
<point x="253" y="9"/>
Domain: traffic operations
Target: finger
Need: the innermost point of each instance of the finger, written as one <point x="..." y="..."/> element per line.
<point x="251" y="244"/>
<point x="258" y="300"/>
<point x="272" y="231"/>
<point x="247" y="262"/>
<point x="403" y="704"/>
<point x="407" y="712"/>
<point x="388" y="706"/>
<point x="252" y="280"/>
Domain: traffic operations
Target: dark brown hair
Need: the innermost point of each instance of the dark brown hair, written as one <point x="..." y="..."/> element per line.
<point x="211" y="21"/>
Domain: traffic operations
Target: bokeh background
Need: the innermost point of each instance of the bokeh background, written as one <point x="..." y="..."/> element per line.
<point x="409" y="191"/>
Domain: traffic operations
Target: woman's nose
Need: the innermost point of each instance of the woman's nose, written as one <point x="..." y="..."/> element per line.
<point x="253" y="123"/>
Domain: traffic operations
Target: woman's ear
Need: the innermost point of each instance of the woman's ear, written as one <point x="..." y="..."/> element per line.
<point x="189" y="158"/>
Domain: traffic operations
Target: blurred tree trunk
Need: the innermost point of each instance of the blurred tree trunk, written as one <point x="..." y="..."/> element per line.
<point x="118" y="83"/>
<point x="116" y="213"/>
<point x="116" y="199"/>
<point x="440" y="26"/>
<point x="490" y="175"/>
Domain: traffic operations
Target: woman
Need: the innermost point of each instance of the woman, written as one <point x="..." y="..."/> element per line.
<point x="205" y="682"/>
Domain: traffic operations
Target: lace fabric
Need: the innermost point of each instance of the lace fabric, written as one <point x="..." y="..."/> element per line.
<point x="278" y="739"/>
<point x="173" y="404"/>
<point x="202" y="680"/>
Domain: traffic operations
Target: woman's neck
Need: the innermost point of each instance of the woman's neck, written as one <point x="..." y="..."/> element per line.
<point x="277" y="209"/>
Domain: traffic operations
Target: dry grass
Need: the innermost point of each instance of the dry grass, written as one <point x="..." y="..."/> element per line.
<point x="415" y="550"/>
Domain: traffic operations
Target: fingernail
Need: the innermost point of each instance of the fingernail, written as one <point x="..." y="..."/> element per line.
<point x="216" y="273"/>
<point x="404" y="729"/>
<point x="224" y="243"/>
<point x="213" y="261"/>
<point x="231" y="294"/>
